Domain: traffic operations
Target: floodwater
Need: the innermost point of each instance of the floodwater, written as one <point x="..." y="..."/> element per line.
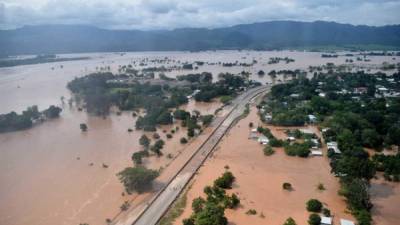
<point x="53" y="173"/>
<point x="259" y="180"/>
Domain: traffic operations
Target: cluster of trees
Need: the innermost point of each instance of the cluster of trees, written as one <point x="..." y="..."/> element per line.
<point x="137" y="178"/>
<point x="212" y="209"/>
<point x="389" y="164"/>
<point x="100" y="91"/>
<point x="275" y="60"/>
<point x="298" y="149"/>
<point x="36" y="60"/>
<point x="13" y="121"/>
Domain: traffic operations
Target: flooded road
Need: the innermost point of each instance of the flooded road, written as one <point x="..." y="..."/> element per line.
<point x="53" y="173"/>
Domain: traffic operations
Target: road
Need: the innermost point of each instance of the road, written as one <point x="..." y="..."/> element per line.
<point x="164" y="198"/>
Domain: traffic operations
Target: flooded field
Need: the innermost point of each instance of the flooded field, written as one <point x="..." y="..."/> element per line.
<point x="53" y="173"/>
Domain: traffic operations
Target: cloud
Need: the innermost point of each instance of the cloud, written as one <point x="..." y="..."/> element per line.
<point x="170" y="14"/>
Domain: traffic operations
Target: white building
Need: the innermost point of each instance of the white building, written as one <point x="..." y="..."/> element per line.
<point x="263" y="140"/>
<point x="333" y="146"/>
<point x="346" y="222"/>
<point x="326" y="220"/>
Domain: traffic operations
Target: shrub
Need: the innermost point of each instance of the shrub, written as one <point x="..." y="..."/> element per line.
<point x="251" y="124"/>
<point x="314" y="205"/>
<point x="183" y="140"/>
<point x="83" y="127"/>
<point x="290" y="221"/>
<point x="326" y="212"/>
<point x="251" y="212"/>
<point x="287" y="186"/>
<point x="169" y="136"/>
<point x="125" y="206"/>
<point x="268" y="150"/>
<point x="314" y="219"/>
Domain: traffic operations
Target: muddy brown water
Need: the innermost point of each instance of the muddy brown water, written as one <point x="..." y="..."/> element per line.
<point x="53" y="174"/>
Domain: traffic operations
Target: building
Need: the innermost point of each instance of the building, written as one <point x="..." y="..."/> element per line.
<point x="346" y="222"/>
<point x="333" y="147"/>
<point x="316" y="153"/>
<point x="326" y="220"/>
<point x="263" y="140"/>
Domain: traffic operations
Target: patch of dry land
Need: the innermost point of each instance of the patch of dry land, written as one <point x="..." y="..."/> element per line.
<point x="259" y="180"/>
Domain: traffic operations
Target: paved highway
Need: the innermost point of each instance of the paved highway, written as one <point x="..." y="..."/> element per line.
<point x="161" y="202"/>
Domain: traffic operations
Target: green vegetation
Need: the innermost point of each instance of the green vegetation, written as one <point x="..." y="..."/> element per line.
<point x="211" y="211"/>
<point x="138" y="156"/>
<point x="137" y="178"/>
<point x="358" y="109"/>
<point x="175" y="210"/>
<point x="14" y="122"/>
<point x="314" y="205"/>
<point x="290" y="221"/>
<point x="297" y="149"/>
<point x="36" y="60"/>
<point x="225" y="181"/>
<point x="268" y="151"/>
<point x="251" y="212"/>
<point x="314" y="219"/>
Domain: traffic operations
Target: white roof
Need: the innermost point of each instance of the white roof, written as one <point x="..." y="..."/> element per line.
<point x="346" y="222"/>
<point x="306" y="131"/>
<point x="316" y="153"/>
<point x="254" y="130"/>
<point x="326" y="220"/>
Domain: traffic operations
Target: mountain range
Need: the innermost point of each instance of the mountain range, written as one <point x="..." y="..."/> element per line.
<point x="52" y="39"/>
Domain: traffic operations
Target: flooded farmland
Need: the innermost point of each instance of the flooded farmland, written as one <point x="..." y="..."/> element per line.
<point x="54" y="174"/>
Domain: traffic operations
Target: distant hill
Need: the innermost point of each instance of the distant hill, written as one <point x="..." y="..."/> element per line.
<point x="49" y="39"/>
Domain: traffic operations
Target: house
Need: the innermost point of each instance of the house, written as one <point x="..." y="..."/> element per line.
<point x="263" y="140"/>
<point x="326" y="220"/>
<point x="346" y="222"/>
<point x="294" y="95"/>
<point x="360" y="90"/>
<point x="323" y="95"/>
<point x="315" y="141"/>
<point x="290" y="138"/>
<point x="306" y="131"/>
<point x="333" y="146"/>
<point x="316" y="153"/>
<point x="254" y="130"/>
<point x="268" y="117"/>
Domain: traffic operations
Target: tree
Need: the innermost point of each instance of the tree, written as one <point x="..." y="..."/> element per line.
<point x="144" y="141"/>
<point x="225" y="181"/>
<point x="207" y="119"/>
<point x="261" y="73"/>
<point x="137" y="156"/>
<point x="198" y="204"/>
<point x="137" y="178"/>
<point x="52" y="112"/>
<point x="211" y="215"/>
<point x="83" y="127"/>
<point x="290" y="221"/>
<point x="183" y="140"/>
<point x="314" y="205"/>
<point x="370" y="138"/>
<point x="314" y="219"/>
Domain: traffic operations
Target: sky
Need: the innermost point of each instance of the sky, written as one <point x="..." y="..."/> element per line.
<point x="171" y="14"/>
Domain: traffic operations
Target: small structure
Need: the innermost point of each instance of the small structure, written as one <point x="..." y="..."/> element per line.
<point x="306" y="131"/>
<point x="326" y="220"/>
<point x="290" y="138"/>
<point x="346" y="222"/>
<point x="254" y="130"/>
<point x="268" y="117"/>
<point x="334" y="147"/>
<point x="312" y="118"/>
<point x="263" y="140"/>
<point x="316" y="153"/>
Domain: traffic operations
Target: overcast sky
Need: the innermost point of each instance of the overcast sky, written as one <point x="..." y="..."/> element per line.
<point x="169" y="14"/>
